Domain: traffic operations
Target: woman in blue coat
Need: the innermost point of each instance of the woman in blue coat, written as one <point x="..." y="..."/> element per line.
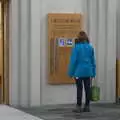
<point x="82" y="68"/>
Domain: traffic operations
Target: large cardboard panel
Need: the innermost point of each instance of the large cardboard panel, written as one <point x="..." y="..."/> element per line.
<point x="61" y="27"/>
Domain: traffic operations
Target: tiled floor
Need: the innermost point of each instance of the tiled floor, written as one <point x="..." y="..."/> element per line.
<point x="64" y="112"/>
<point x="8" y="113"/>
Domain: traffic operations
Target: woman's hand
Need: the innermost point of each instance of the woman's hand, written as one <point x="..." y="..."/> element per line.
<point x="92" y="78"/>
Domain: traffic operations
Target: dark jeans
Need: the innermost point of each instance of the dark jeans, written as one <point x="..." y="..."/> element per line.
<point x="87" y="84"/>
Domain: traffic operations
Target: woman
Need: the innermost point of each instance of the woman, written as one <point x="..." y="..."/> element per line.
<point x="82" y="68"/>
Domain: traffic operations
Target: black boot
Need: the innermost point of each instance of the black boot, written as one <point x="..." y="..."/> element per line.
<point x="86" y="109"/>
<point x="78" y="109"/>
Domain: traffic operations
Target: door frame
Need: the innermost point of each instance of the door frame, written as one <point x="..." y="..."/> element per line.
<point x="5" y="37"/>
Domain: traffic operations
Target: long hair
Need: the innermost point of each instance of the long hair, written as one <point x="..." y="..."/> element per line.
<point x="82" y="37"/>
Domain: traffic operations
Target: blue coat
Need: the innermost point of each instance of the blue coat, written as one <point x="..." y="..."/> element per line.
<point x="82" y="61"/>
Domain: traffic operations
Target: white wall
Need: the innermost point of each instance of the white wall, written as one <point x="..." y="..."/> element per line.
<point x="101" y="26"/>
<point x="28" y="32"/>
<point x="25" y="52"/>
<point x="14" y="53"/>
<point x="28" y="35"/>
<point x="118" y="29"/>
<point x="52" y="94"/>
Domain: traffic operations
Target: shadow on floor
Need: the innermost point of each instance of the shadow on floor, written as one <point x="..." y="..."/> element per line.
<point x="64" y="112"/>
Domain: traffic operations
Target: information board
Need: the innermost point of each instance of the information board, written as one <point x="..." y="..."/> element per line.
<point x="62" y="30"/>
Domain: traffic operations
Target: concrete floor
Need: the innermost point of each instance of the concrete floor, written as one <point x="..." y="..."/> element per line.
<point x="61" y="112"/>
<point x="8" y="113"/>
<point x="64" y="112"/>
